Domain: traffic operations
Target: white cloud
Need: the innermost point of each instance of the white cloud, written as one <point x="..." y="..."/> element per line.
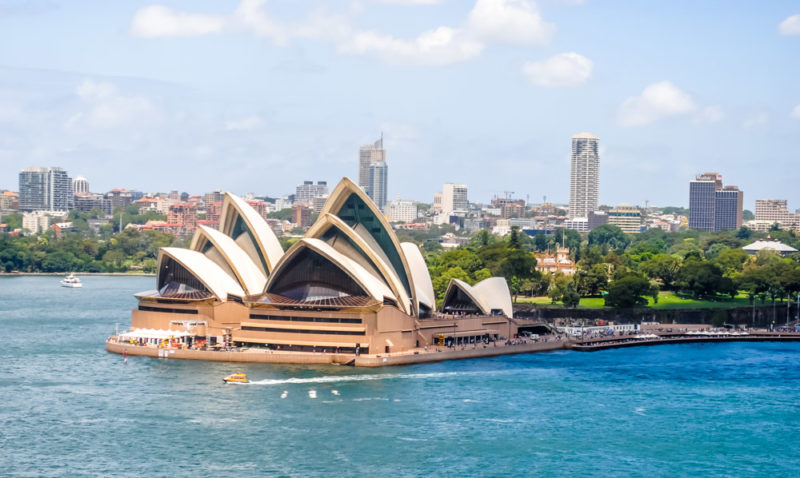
<point x="95" y="90"/>
<point x="160" y="21"/>
<point x="657" y="101"/>
<point x="248" y="123"/>
<point x="411" y="2"/>
<point x="104" y="107"/>
<point x="710" y="114"/>
<point x="790" y="26"/>
<point x="564" y="69"/>
<point x="490" y="21"/>
<point x="509" y="21"/>
<point x="796" y="112"/>
<point x="441" y="46"/>
<point x="756" y="120"/>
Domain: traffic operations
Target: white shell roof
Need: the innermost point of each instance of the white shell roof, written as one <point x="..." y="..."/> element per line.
<point x="335" y="201"/>
<point x="371" y="285"/>
<point x="270" y="245"/>
<point x="373" y="252"/>
<point x="488" y="294"/>
<point x="769" y="246"/>
<point x="477" y="299"/>
<point x="420" y="273"/>
<point x="206" y="271"/>
<point x="249" y="275"/>
<point x="494" y="291"/>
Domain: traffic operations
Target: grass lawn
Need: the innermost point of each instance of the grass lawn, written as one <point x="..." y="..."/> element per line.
<point x="666" y="300"/>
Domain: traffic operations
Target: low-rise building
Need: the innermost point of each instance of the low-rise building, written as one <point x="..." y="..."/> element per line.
<point x="402" y="210"/>
<point x="626" y="217"/>
<point x="551" y="262"/>
<point x="38" y="221"/>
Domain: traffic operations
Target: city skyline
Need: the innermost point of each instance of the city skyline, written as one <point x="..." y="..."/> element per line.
<point x="115" y="92"/>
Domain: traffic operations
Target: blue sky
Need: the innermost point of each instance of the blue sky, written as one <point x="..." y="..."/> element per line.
<point x="257" y="96"/>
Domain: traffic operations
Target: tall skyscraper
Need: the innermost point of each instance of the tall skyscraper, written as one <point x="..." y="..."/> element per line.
<point x="378" y="179"/>
<point x="454" y="198"/>
<point x="584" y="174"/>
<point x="713" y="207"/>
<point x="703" y="200"/>
<point x="367" y="156"/>
<point x="44" y="189"/>
<point x="728" y="208"/>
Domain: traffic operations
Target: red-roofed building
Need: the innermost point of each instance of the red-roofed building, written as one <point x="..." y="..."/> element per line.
<point x="185" y="215"/>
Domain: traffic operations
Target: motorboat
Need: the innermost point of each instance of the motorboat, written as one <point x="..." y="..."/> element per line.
<point x="71" y="281"/>
<point x="236" y="378"/>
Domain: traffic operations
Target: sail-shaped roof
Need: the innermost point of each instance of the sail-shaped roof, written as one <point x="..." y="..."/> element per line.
<point x="344" y="239"/>
<point x="251" y="232"/>
<point x="495" y="293"/>
<point x="489" y="297"/>
<point x="313" y="270"/>
<point x="461" y="297"/>
<point x="224" y="251"/>
<point x="350" y="204"/>
<point x="184" y="267"/>
<point x="420" y="274"/>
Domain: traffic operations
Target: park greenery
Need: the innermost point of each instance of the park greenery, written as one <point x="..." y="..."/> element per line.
<point x="614" y="269"/>
<point x="85" y="250"/>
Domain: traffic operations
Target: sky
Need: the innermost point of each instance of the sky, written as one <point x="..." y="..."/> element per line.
<point x="257" y="96"/>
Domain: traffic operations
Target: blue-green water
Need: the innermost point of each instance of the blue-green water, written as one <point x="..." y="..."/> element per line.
<point x="69" y="408"/>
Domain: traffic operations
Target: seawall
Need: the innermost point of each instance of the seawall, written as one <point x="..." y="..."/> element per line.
<point x="764" y="315"/>
<point x="433" y="354"/>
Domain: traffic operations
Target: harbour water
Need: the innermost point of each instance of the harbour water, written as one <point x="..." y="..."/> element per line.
<point x="68" y="408"/>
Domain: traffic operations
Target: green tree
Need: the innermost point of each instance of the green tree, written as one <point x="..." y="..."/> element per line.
<point x="568" y="238"/>
<point x="514" y="240"/>
<point x="560" y="288"/>
<point x="590" y="282"/>
<point x="731" y="261"/>
<point x="440" y="283"/>
<point x="609" y="236"/>
<point x="13" y="221"/>
<point x="701" y="279"/>
<point x="663" y="267"/>
<point x="630" y="290"/>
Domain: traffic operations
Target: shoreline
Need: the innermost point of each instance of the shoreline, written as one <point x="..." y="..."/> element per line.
<point x="434" y="354"/>
<point x="414" y="356"/>
<point x="58" y="274"/>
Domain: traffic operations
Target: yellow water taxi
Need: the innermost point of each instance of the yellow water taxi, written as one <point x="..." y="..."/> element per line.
<point x="236" y="378"/>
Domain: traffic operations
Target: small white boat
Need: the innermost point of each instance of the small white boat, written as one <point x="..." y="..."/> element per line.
<point x="71" y="281"/>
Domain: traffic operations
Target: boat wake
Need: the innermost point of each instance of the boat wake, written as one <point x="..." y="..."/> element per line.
<point x="366" y="377"/>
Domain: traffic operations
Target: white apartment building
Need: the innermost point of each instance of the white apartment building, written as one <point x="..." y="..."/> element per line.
<point x="770" y="211"/>
<point x="584" y="174"/>
<point x="454" y="198"/>
<point x="402" y="210"/>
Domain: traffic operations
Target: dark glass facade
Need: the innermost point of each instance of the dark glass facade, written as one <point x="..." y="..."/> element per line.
<point x="702" y="204"/>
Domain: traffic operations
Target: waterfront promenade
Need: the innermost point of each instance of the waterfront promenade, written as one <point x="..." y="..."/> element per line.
<point x="674" y="335"/>
<point x="666" y="338"/>
<point x="413" y="356"/>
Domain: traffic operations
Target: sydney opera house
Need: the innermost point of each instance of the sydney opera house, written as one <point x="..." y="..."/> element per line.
<point x="347" y="287"/>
